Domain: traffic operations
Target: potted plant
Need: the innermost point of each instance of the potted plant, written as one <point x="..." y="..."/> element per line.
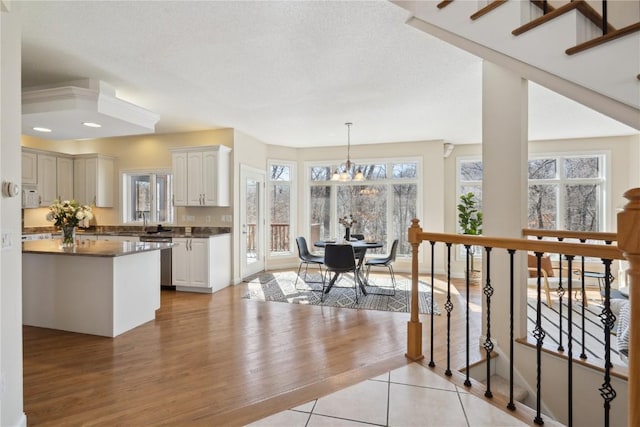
<point x="470" y="220"/>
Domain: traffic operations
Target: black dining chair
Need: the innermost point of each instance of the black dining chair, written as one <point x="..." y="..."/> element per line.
<point x="384" y="262"/>
<point x="339" y="259"/>
<point x="358" y="236"/>
<point x="307" y="258"/>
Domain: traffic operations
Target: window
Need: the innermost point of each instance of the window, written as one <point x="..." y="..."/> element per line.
<point x="383" y="204"/>
<point x="280" y="212"/>
<point x="147" y="196"/>
<point x="565" y="191"/>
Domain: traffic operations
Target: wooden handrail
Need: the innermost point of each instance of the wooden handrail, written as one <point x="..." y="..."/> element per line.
<point x="488" y="8"/>
<point x="580" y="5"/>
<point x="576" y="249"/>
<point x="615" y="34"/>
<point x="444" y="3"/>
<point x="566" y="234"/>
<point x="629" y="230"/>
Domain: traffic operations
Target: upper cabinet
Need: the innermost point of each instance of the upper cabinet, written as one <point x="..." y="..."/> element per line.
<point x="29" y="168"/>
<point x="51" y="173"/>
<point x="87" y="178"/>
<point x="64" y="178"/>
<point x="47" y="179"/>
<point x="93" y="180"/>
<point x="201" y="176"/>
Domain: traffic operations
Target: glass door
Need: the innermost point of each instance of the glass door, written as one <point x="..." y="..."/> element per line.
<point x="252" y="246"/>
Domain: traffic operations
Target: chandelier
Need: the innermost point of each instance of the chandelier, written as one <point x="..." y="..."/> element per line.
<point x="344" y="173"/>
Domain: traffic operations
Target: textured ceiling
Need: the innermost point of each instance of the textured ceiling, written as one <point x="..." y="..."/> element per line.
<point x="286" y="72"/>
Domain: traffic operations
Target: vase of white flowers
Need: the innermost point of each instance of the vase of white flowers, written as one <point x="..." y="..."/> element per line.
<point x="68" y="215"/>
<point x="348" y="222"/>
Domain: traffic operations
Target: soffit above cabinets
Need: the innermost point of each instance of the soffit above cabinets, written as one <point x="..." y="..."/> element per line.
<point x="64" y="108"/>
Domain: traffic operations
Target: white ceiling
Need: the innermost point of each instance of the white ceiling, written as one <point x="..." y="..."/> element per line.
<point x="286" y="72"/>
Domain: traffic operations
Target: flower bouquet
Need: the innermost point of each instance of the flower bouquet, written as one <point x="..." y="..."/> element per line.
<point x="68" y="215"/>
<point x="348" y="222"/>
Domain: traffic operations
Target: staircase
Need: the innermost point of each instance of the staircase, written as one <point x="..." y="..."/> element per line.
<point x="563" y="51"/>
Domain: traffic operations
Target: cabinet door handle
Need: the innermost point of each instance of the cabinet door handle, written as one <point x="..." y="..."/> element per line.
<point x="173" y="200"/>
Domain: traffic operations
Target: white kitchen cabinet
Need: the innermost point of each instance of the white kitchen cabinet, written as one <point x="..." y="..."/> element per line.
<point x="179" y="166"/>
<point x="64" y="178"/>
<point x="201" y="264"/>
<point x="93" y="180"/>
<point x="29" y="168"/>
<point x="47" y="179"/>
<point x="201" y="176"/>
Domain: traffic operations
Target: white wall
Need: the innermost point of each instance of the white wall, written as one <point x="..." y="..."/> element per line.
<point x="11" y="400"/>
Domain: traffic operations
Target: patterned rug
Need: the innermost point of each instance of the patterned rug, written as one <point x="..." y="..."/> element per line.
<point x="280" y="287"/>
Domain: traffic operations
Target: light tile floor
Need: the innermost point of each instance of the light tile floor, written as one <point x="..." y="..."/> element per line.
<point x="408" y="396"/>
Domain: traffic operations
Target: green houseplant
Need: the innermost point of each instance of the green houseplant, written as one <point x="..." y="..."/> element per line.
<point x="469" y="218"/>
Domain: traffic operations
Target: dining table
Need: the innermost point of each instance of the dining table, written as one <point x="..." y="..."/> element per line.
<point x="360" y="248"/>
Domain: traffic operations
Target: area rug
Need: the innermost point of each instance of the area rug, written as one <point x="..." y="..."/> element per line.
<point x="280" y="287"/>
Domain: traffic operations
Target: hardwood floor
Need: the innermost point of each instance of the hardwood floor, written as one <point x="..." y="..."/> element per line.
<point x="216" y="360"/>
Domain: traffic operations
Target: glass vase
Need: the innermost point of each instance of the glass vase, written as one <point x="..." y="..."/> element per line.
<point x="347" y="234"/>
<point x="68" y="235"/>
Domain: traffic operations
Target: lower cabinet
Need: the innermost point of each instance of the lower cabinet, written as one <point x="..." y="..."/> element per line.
<point x="201" y="264"/>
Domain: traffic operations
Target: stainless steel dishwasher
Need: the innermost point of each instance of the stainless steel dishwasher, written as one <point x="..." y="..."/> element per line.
<point x="166" y="280"/>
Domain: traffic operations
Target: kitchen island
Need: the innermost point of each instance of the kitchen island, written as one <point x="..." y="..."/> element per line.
<point x="96" y="287"/>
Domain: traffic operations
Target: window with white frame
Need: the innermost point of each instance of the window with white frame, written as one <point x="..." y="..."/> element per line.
<point x="566" y="192"/>
<point x="280" y="193"/>
<point x="146" y="197"/>
<point x="382" y="205"/>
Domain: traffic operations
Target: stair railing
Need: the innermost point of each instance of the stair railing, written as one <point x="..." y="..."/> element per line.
<point x="628" y="223"/>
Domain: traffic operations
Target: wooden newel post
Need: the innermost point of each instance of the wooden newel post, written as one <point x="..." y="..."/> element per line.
<point x="414" y="327"/>
<point x="629" y="243"/>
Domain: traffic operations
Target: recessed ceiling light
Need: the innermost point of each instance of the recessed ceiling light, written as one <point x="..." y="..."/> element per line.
<point x="92" y="125"/>
<point x="41" y="129"/>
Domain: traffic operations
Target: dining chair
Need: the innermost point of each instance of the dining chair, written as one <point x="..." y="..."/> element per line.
<point x="548" y="278"/>
<point x="384" y="262"/>
<point x="340" y="259"/>
<point x="306" y="258"/>
<point x="358" y="236"/>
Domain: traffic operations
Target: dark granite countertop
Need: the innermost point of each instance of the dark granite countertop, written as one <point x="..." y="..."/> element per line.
<point x="95" y="248"/>
<point x="109" y="230"/>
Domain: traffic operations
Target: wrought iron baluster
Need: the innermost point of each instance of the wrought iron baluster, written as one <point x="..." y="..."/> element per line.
<point x="570" y="347"/>
<point x="539" y="334"/>
<point x="467" y="381"/>
<point x="448" y="306"/>
<point x="608" y="319"/>
<point x="605" y="24"/>
<point x="488" y="345"/>
<point x="512" y="252"/>
<point x="433" y="244"/>
<point x="583" y="355"/>
<point x="560" y="292"/>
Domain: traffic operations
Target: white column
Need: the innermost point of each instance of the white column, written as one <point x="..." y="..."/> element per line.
<point x="504" y="183"/>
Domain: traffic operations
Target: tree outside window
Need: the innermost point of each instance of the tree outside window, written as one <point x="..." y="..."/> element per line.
<point x="147" y="197"/>
<point x="383" y="204"/>
<point x="280" y="178"/>
<point x="565" y="192"/>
